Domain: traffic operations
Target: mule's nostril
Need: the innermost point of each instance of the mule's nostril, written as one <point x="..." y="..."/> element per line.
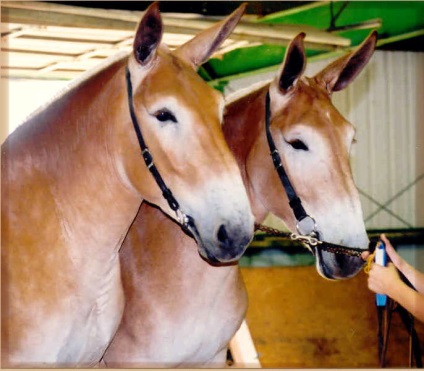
<point x="222" y="234"/>
<point x="230" y="242"/>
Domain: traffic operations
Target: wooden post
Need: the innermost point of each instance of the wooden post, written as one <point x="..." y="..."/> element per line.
<point x="243" y="350"/>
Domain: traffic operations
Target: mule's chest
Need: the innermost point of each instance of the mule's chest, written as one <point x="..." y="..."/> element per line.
<point x="76" y="331"/>
<point x="95" y="329"/>
<point x="195" y="330"/>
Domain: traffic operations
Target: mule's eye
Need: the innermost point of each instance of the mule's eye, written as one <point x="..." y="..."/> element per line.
<point x="164" y="115"/>
<point x="298" y="145"/>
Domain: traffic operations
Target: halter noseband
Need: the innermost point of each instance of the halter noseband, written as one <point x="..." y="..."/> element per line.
<point x="305" y="224"/>
<point x="186" y="221"/>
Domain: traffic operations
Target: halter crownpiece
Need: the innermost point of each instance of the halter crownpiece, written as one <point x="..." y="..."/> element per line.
<point x="186" y="221"/>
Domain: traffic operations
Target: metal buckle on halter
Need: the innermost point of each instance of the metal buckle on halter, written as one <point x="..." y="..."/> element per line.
<point x="182" y="218"/>
<point x="148" y="158"/>
<point x="307" y="226"/>
<point x="276" y="159"/>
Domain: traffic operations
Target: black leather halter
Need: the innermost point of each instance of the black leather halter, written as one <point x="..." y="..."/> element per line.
<point x="186" y="221"/>
<point x="306" y="225"/>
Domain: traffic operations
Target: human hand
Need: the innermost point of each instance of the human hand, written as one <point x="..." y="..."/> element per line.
<point x="384" y="280"/>
<point x="365" y="255"/>
<point x="391" y="252"/>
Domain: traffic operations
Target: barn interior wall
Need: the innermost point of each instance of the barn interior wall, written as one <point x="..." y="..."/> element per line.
<point x="420" y="139"/>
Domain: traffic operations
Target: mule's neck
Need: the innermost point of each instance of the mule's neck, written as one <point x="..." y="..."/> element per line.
<point x="244" y="124"/>
<point x="66" y="152"/>
<point x="243" y="121"/>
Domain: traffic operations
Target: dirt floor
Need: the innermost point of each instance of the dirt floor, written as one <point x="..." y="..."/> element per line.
<point x="299" y="320"/>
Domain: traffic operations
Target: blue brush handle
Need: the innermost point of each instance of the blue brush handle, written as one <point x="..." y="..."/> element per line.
<point x="381" y="259"/>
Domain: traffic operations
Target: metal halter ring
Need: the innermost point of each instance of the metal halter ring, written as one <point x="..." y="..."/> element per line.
<point x="307" y="226"/>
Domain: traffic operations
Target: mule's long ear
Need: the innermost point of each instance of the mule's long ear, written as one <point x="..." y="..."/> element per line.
<point x="343" y="71"/>
<point x="294" y="63"/>
<point x="198" y="50"/>
<point x="148" y="35"/>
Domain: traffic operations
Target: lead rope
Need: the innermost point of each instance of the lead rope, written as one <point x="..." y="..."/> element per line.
<point x="369" y="262"/>
<point x="310" y="241"/>
<point x="384" y="316"/>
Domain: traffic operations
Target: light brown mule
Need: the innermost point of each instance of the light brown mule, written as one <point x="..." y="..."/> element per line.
<point x="180" y="311"/>
<point x="72" y="182"/>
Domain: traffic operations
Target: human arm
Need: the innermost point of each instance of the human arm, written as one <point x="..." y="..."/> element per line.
<point x="386" y="280"/>
<point x="411" y="300"/>
<point x="413" y="275"/>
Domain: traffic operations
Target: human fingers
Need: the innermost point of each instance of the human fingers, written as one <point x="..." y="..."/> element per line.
<point x="394" y="256"/>
<point x="375" y="283"/>
<point x="365" y="255"/>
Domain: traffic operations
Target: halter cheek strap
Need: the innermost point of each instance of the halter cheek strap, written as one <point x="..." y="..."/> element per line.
<point x="305" y="224"/>
<point x="186" y="221"/>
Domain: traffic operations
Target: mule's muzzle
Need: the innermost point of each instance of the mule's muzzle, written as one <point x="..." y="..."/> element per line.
<point x="227" y="245"/>
<point x="232" y="242"/>
<point x="338" y="267"/>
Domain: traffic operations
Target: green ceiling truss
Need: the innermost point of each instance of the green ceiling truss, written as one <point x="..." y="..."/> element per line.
<point x="393" y="20"/>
